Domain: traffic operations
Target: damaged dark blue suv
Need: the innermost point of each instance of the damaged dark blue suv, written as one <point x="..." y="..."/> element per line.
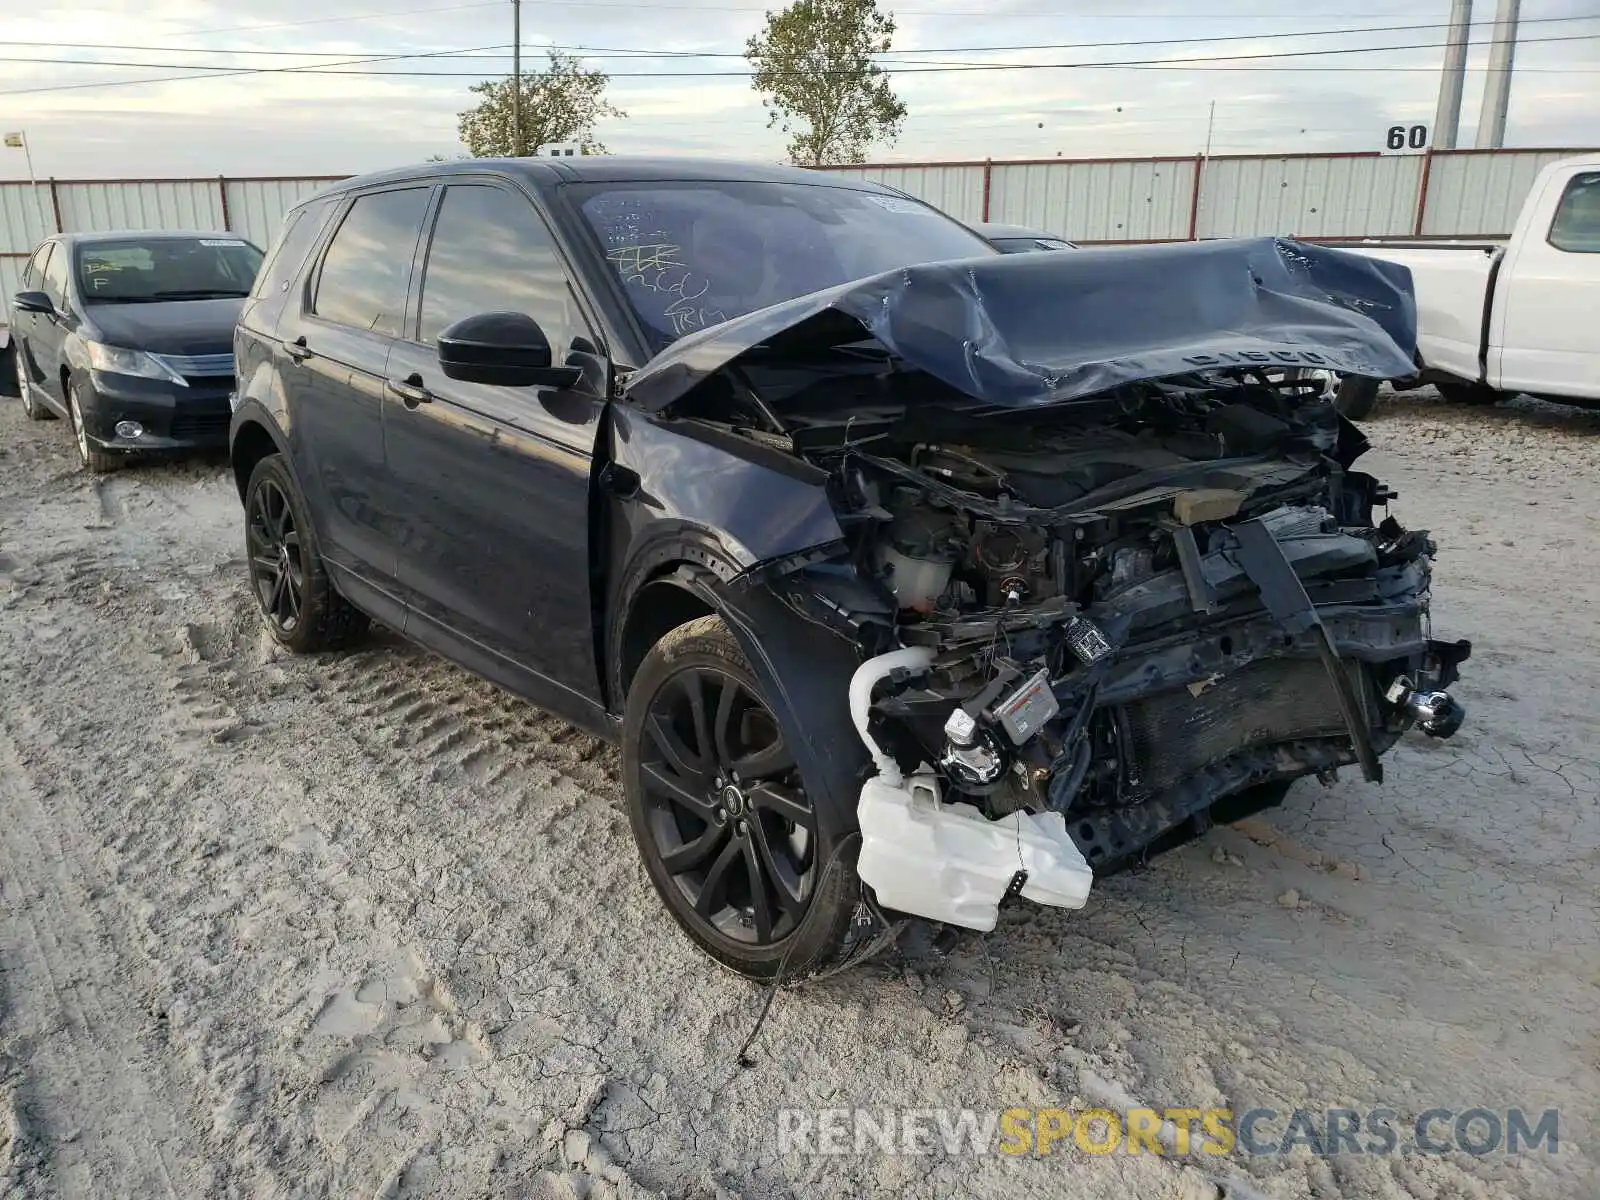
<point x="911" y="577"/>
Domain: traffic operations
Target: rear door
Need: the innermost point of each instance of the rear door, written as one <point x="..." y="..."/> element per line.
<point x="493" y="482"/>
<point x="1543" y="325"/>
<point x="335" y="347"/>
<point x="48" y="334"/>
<point x="25" y="326"/>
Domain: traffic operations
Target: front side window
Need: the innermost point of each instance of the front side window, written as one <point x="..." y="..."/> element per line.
<point x="689" y="255"/>
<point x="491" y="252"/>
<point x="156" y="270"/>
<point x="55" y="277"/>
<point x="33" y="273"/>
<point x="1576" y="226"/>
<point x="368" y="264"/>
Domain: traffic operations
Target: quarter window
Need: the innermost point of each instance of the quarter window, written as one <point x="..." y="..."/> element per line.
<point x="289" y="250"/>
<point x="368" y="264"/>
<point x="1576" y="225"/>
<point x="491" y="252"/>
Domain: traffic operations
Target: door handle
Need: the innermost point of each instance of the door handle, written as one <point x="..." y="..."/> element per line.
<point x="298" y="350"/>
<point x="410" y="390"/>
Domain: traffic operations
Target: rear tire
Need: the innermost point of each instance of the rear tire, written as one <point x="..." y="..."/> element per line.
<point x="30" y="399"/>
<point x="756" y="873"/>
<point x="1477" y="394"/>
<point x="1356" y="397"/>
<point x="303" y="610"/>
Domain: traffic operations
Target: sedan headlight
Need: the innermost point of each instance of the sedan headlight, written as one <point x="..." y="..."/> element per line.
<point x="119" y="360"/>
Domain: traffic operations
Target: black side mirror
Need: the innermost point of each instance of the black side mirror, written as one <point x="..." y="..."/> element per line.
<point x="505" y="348"/>
<point x="33" y="302"/>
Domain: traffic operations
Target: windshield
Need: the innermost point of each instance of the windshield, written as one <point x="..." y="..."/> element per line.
<point x="693" y="254"/>
<point x="151" y="270"/>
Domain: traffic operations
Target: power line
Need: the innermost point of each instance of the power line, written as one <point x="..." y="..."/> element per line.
<point x="670" y="54"/>
<point x="335" y="69"/>
<point x="222" y="73"/>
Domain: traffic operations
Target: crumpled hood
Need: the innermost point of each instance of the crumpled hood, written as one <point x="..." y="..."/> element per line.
<point x="1025" y="330"/>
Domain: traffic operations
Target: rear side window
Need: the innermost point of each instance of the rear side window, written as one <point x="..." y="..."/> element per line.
<point x="1576" y="225"/>
<point x="368" y="263"/>
<point x="290" y="247"/>
<point x="491" y="252"/>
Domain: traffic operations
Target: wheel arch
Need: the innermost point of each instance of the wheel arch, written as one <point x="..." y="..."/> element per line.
<point x="803" y="668"/>
<point x="252" y="440"/>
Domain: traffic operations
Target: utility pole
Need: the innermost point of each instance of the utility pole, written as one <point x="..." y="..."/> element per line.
<point x="1447" y="117"/>
<point x="516" y="79"/>
<point x="1497" y="88"/>
<point x="1211" y="122"/>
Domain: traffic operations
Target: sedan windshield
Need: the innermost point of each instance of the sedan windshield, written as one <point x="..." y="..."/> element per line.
<point x="689" y="255"/>
<point x="152" y="270"/>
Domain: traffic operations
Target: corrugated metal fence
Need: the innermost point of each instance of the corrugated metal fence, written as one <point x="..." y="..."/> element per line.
<point x="1448" y="193"/>
<point x="1454" y="193"/>
<point x="250" y="207"/>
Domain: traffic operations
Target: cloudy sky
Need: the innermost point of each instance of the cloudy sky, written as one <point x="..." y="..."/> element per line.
<point x="691" y="96"/>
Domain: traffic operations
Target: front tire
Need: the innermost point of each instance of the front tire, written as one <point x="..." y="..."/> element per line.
<point x="304" y="612"/>
<point x="1475" y="394"/>
<point x="753" y="871"/>
<point x="91" y="457"/>
<point x="1356" y="397"/>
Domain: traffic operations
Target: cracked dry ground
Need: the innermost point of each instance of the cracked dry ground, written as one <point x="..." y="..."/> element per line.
<point x="364" y="926"/>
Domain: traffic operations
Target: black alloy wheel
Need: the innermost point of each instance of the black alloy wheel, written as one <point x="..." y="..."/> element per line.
<point x="304" y="611"/>
<point x="730" y="838"/>
<point x="729" y="821"/>
<point x="277" y="562"/>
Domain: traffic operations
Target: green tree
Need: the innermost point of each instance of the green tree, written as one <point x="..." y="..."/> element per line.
<point x="560" y="104"/>
<point x="815" y="71"/>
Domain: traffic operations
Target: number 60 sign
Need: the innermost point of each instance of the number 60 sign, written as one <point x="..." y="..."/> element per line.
<point x="1405" y="139"/>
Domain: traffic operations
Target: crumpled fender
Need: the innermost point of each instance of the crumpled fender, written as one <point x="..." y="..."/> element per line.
<point x="685" y="480"/>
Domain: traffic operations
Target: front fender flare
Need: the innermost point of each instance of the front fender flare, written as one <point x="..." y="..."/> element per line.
<point x="804" y="670"/>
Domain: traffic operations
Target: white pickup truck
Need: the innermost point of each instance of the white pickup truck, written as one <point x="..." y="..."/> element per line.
<point x="1503" y="318"/>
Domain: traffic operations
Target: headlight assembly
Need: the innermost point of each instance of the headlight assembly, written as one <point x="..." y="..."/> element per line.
<point x="118" y="360"/>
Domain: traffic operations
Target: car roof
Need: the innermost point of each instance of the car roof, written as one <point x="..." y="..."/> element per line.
<point x="991" y="230"/>
<point x="148" y="235"/>
<point x="608" y="168"/>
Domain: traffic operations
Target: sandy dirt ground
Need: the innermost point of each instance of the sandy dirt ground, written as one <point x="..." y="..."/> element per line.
<point x="363" y="926"/>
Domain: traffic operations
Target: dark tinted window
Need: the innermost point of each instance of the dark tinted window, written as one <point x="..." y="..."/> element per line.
<point x="368" y="263"/>
<point x="491" y="252"/>
<point x="1576" y="226"/>
<point x="290" y="247"/>
<point x="55" y="277"/>
<point x="150" y="270"/>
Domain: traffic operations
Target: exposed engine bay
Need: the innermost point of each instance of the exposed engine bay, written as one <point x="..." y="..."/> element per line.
<point x="1135" y="619"/>
<point x="1102" y="552"/>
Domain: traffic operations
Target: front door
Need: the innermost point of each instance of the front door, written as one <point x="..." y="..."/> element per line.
<point x="48" y="334"/>
<point x="333" y="356"/>
<point x="1543" y="324"/>
<point x="493" y="482"/>
<point x="25" y="326"/>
